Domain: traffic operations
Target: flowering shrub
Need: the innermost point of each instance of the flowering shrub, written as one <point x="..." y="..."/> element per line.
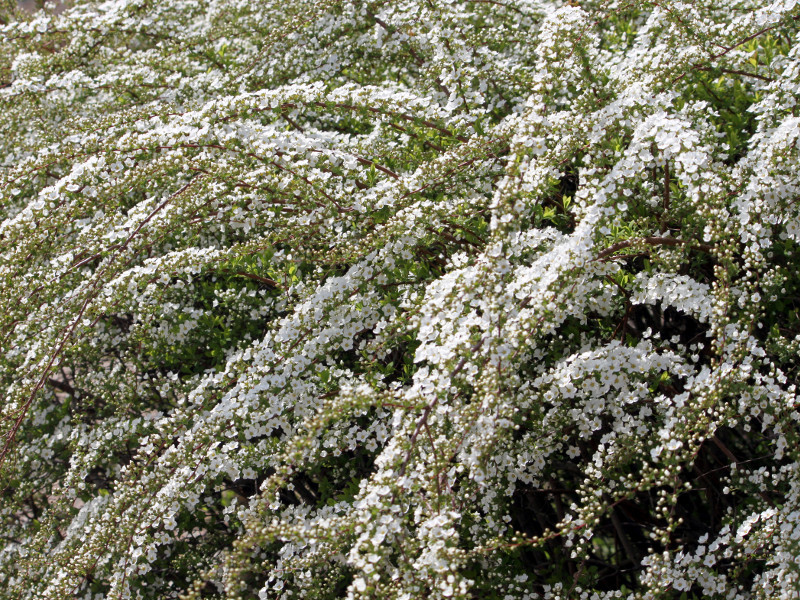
<point x="415" y="299"/>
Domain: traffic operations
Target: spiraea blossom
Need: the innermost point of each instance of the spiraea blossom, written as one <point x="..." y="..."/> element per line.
<point x="419" y="299"/>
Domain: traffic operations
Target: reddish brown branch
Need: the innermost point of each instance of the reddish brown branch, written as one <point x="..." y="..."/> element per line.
<point x="651" y="241"/>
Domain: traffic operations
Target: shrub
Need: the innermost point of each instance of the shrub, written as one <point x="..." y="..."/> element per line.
<point x="420" y="299"/>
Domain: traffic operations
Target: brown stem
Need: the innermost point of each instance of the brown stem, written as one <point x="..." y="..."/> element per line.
<point x="630" y="549"/>
<point x="737" y="72"/>
<point x="651" y="241"/>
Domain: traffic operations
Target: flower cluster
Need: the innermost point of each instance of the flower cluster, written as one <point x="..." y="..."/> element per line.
<point x="398" y="300"/>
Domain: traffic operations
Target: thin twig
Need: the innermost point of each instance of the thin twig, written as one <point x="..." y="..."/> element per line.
<point x="651" y="241"/>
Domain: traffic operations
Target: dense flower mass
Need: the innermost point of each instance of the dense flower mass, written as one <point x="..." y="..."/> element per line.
<point x="397" y="300"/>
